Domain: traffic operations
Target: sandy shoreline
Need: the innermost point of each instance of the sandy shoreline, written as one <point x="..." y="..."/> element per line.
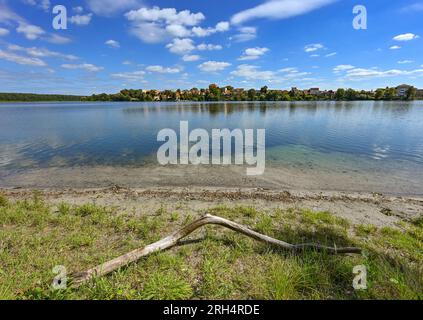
<point x="361" y="198"/>
<point x="274" y="178"/>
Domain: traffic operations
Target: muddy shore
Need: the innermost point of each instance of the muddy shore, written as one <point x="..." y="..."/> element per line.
<point x="358" y="208"/>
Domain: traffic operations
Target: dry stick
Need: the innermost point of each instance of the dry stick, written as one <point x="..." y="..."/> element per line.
<point x="173" y="239"/>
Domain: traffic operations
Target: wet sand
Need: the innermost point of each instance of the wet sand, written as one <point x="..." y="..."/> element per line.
<point x="274" y="178"/>
<point x="361" y="198"/>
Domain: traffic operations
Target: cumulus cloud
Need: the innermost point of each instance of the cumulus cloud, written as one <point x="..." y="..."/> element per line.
<point x="31" y="32"/>
<point x="253" y="53"/>
<point x="153" y="25"/>
<point x="43" y="4"/>
<point x="161" y="69"/>
<point x="191" y="58"/>
<point x="279" y="9"/>
<point x="22" y="60"/>
<point x="395" y="47"/>
<point x="181" y="46"/>
<point x="201" y="32"/>
<point x="81" y="20"/>
<point x="405" y="37"/>
<point x="213" y="66"/>
<point x="209" y="47"/>
<point x="84" y="66"/>
<point x="111" y="7"/>
<point x="78" y="9"/>
<point x="112" y="44"/>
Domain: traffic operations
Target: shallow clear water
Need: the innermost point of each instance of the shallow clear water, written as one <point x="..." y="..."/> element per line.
<point x="350" y="136"/>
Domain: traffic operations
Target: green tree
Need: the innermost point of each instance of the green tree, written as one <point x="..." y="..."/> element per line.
<point x="340" y="94"/>
<point x="411" y="93"/>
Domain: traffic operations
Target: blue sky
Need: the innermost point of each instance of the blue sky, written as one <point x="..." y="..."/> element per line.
<point x="110" y="45"/>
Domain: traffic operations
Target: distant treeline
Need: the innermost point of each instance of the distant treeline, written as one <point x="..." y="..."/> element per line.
<point x="228" y="93"/>
<point x="32" y="97"/>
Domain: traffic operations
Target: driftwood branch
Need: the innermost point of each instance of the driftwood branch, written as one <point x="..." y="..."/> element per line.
<point x="174" y="238"/>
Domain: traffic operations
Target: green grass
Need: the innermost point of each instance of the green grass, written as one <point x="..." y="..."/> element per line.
<point x="35" y="237"/>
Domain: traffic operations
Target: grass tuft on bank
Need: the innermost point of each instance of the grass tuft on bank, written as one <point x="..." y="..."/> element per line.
<point x="216" y="264"/>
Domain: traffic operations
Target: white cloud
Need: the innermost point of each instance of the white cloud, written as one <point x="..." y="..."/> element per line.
<point x="279" y="9"/>
<point x="253" y="53"/>
<point x="405" y="61"/>
<point x="291" y="73"/>
<point x="181" y="46"/>
<point x="245" y="34"/>
<point x="220" y="27"/>
<point x="395" y="47"/>
<point x="78" y="9"/>
<point x="150" y="32"/>
<point x="213" y="66"/>
<point x="167" y="15"/>
<point x="191" y="58"/>
<point x="178" y="30"/>
<point x="406" y="37"/>
<point x="153" y="25"/>
<point x="30" y="61"/>
<point x="250" y="72"/>
<point x="343" y="67"/>
<point x="358" y="74"/>
<point x="112" y="44"/>
<point x="161" y="69"/>
<point x="81" y="20"/>
<point x="31" y="32"/>
<point x="157" y="25"/>
<point x="43" y="4"/>
<point x="4" y="32"/>
<point x="209" y="47"/>
<point x="57" y="39"/>
<point x="130" y="76"/>
<point x="313" y="47"/>
<point x="7" y="15"/>
<point x="110" y="7"/>
<point x="84" y="66"/>
<point x="41" y="52"/>
<point x="331" y="54"/>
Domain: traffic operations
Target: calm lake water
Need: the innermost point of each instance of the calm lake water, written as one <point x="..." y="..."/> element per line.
<point x="350" y="136"/>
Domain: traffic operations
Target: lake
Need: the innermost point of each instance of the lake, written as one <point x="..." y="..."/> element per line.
<point x="353" y="146"/>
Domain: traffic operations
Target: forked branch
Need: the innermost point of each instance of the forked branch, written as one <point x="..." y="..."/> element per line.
<point x="173" y="239"/>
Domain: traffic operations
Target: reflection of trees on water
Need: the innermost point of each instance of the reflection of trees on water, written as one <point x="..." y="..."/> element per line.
<point x="262" y="107"/>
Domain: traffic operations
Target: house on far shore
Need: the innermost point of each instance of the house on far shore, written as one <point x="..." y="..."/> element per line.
<point x="314" y="91"/>
<point x="402" y="90"/>
<point x="419" y="94"/>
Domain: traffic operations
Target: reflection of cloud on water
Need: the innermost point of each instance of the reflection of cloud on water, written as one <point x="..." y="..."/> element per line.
<point x="380" y="153"/>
